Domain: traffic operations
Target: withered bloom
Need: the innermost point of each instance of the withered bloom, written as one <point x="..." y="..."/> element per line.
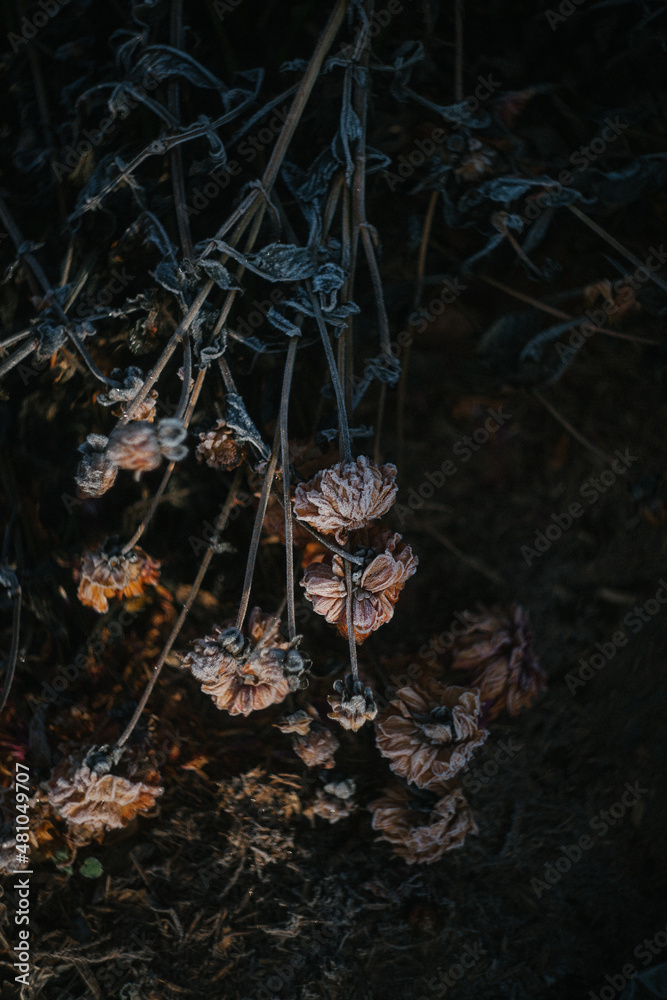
<point x="131" y="382"/>
<point x="496" y="650"/>
<point x="352" y="704"/>
<point x="84" y="792"/>
<point x="220" y="449"/>
<point x="141" y="446"/>
<point x="333" y="803"/>
<point x="388" y="563"/>
<point x="95" y="473"/>
<point x="317" y="747"/>
<point x="299" y="722"/>
<point x="105" y="572"/>
<point x="429" y="733"/>
<point x="346" y="497"/>
<point x="244" y="674"/>
<point x="421" y="828"/>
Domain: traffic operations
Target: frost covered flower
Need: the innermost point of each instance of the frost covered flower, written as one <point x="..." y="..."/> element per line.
<point x="346" y="497"/>
<point x="298" y="722"/>
<point x="131" y="382"/>
<point x="141" y="445"/>
<point x="388" y="563"/>
<point x="84" y="792"/>
<point x="220" y="449"/>
<point x="244" y="674"/>
<point x="95" y="473"/>
<point x="421" y="828"/>
<point x="317" y="747"/>
<point x="333" y="803"/>
<point x="352" y="704"/>
<point x="105" y="572"/>
<point x="429" y="733"/>
<point x="496" y="649"/>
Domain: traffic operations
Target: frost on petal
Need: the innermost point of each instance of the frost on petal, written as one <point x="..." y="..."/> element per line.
<point x="95" y="473"/>
<point x="352" y="704"/>
<point x="105" y="572"/>
<point x="388" y="564"/>
<point x="422" y="827"/>
<point x="346" y="497"/>
<point x="429" y="733"/>
<point x="496" y="650"/>
<point x="317" y="747"/>
<point x="246" y="673"/>
<point x="93" y="800"/>
<point x="135" y="446"/>
<point x="220" y="449"/>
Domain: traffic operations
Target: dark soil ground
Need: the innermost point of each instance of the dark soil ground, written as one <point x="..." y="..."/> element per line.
<point x="229" y="891"/>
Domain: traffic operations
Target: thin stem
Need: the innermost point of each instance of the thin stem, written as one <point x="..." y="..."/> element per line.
<point x="219" y="526"/>
<point x="284" y="449"/>
<point x="552" y="311"/>
<point x="349" y="614"/>
<point x="617" y="246"/>
<point x="148" y="517"/>
<point x="18" y="356"/>
<point x="187" y="378"/>
<point x="176" y="154"/>
<point x="602" y="455"/>
<point x="257" y="529"/>
<point x="376" y="280"/>
<point x="14" y="650"/>
<point x="333" y="371"/>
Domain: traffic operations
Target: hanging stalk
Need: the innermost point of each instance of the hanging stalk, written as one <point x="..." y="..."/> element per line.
<point x="287" y="500"/>
<point x="220" y="525"/>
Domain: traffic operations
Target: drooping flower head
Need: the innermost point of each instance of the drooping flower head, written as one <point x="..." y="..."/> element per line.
<point x="220" y="449"/>
<point x="346" y="497"/>
<point x="352" y="704"/>
<point x="246" y="673"/>
<point x="95" y="473"/>
<point x="141" y="445"/>
<point x="496" y="650"/>
<point x="430" y="732"/>
<point x="388" y="564"/>
<point x="422" y="827"/>
<point x="105" y="572"/>
<point x="84" y="792"/>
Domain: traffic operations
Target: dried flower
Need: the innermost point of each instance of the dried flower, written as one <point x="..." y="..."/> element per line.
<point x="429" y="733"/>
<point x="317" y="747"/>
<point x="477" y="162"/>
<point x="346" y="497"/>
<point x="419" y="827"/>
<point x="220" y="449"/>
<point x="131" y="383"/>
<point x="298" y="722"/>
<point x="92" y="800"/>
<point x="141" y="446"/>
<point x="388" y="563"/>
<point x="353" y="704"/>
<point x="496" y="648"/>
<point x="105" y="572"/>
<point x="244" y="674"/>
<point x="95" y="473"/>
<point x="334" y="802"/>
